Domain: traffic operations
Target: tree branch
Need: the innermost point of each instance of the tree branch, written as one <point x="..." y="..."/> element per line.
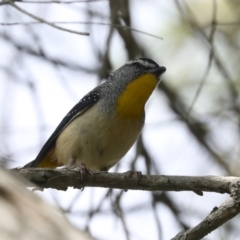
<point x="215" y="219"/>
<point x="82" y="22"/>
<point x="63" y="178"/>
<point x="44" y="21"/>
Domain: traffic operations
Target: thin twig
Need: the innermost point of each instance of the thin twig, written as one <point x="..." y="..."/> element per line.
<point x="87" y="23"/>
<point x="44" y="21"/>
<point x="61" y="2"/>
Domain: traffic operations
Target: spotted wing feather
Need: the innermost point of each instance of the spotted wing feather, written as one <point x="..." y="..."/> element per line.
<point x="86" y="102"/>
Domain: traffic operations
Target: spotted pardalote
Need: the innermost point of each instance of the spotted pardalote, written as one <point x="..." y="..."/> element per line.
<point x="100" y="129"/>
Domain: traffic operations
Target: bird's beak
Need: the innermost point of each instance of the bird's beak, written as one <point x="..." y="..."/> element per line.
<point x="158" y="71"/>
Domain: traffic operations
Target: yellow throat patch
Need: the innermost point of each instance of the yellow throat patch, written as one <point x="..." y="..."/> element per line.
<point x="131" y="102"/>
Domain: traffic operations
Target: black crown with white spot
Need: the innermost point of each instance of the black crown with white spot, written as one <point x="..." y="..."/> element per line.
<point x="143" y="63"/>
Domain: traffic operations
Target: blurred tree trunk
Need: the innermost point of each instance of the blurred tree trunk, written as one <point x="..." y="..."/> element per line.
<point x="25" y="216"/>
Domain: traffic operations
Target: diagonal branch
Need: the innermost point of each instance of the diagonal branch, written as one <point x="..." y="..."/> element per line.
<point x="82" y="22"/>
<point x="215" y="219"/>
<point x="44" y="21"/>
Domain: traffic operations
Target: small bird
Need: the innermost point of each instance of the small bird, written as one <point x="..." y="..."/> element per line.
<point x="100" y="129"/>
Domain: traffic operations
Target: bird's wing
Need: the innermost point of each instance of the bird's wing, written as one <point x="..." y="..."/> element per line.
<point x="86" y="102"/>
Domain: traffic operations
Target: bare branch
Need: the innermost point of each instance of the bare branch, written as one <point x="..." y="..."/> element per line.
<point x="44" y="21"/>
<point x="215" y="219"/>
<point x="61" y="2"/>
<point x="63" y="178"/>
<point x="87" y="23"/>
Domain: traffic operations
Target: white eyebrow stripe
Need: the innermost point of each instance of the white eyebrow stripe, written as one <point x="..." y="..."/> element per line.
<point x="147" y="64"/>
<point x="142" y="62"/>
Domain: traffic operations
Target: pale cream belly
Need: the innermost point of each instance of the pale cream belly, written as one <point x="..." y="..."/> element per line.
<point x="99" y="143"/>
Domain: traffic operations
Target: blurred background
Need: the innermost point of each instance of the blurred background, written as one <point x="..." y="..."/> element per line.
<point x="192" y="119"/>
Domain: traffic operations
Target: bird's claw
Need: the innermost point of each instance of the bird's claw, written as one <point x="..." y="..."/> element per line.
<point x="80" y="168"/>
<point x="131" y="173"/>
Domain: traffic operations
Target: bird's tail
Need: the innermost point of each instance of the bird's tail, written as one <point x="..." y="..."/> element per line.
<point x="30" y="164"/>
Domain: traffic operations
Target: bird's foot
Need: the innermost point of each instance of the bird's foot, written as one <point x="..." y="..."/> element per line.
<point x="81" y="168"/>
<point x="132" y="173"/>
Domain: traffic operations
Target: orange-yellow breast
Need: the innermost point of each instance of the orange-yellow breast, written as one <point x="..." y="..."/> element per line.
<point x="98" y="140"/>
<point x="130" y="104"/>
